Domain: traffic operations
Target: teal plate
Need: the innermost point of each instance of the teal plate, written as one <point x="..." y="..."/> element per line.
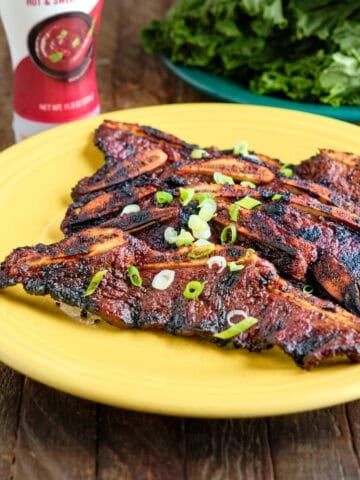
<point x="225" y="89"/>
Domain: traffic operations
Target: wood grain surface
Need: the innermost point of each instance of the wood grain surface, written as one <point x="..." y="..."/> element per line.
<point x="48" y="435"/>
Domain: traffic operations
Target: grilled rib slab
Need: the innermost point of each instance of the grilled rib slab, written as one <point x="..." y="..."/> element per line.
<point x="312" y="228"/>
<point x="305" y="327"/>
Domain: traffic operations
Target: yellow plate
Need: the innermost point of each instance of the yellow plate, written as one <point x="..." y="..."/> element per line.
<point x="140" y="370"/>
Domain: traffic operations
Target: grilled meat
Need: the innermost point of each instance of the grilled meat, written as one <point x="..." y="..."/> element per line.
<point x="131" y="151"/>
<point x="306" y="328"/>
<point x="311" y="228"/>
<point x="335" y="170"/>
<point x="299" y="243"/>
<point x="140" y="161"/>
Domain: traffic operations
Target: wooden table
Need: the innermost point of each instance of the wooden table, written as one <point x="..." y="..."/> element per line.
<point x="46" y="435"/>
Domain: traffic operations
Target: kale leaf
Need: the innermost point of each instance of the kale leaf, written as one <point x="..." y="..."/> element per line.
<point x="306" y="50"/>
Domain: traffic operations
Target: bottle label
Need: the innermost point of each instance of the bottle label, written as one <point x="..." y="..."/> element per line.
<point x="52" y="44"/>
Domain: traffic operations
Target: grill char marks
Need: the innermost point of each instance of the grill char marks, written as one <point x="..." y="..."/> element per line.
<point x="301" y="325"/>
<point x="130" y="150"/>
<point x="325" y="195"/>
<point x="133" y="165"/>
<point x="152" y="160"/>
<point x="93" y="207"/>
<point x="134" y="222"/>
<point x="291" y="255"/>
<point x="293" y="233"/>
<point x="305" y="243"/>
<point x="338" y="171"/>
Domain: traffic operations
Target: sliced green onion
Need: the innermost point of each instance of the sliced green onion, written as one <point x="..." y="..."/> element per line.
<point x="63" y="34"/>
<point x="193" y="289"/>
<point x="95" y="282"/>
<point x="186" y="195"/>
<point x="208" y="209"/>
<point x="242" y="148"/>
<point x="198" y="153"/>
<point x="202" y="243"/>
<point x="235" y="267"/>
<point x="199" y="228"/>
<point x="206" y="199"/>
<point x="201" y="250"/>
<point x="134" y="276"/>
<point x="56" y="57"/>
<point x="221" y="179"/>
<point x="276" y="197"/>
<point x="163" y="279"/>
<point x="204" y="234"/>
<point x="237" y="328"/>
<point x="184" y="239"/>
<point x="229" y="231"/>
<point x="133" y="208"/>
<point x="219" y="261"/>
<point x="248" y="202"/>
<point x="196" y="223"/>
<point x="163" y="197"/>
<point x="170" y="235"/>
<point x="201" y="196"/>
<point x="234" y="212"/>
<point x="76" y="42"/>
<point x="308" y="289"/>
<point x="287" y="171"/>
<point x="246" y="183"/>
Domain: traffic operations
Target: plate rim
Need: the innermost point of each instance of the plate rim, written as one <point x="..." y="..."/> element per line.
<point x="68" y="382"/>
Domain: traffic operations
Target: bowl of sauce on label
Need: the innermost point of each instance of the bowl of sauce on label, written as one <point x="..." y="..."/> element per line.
<point x="62" y="45"/>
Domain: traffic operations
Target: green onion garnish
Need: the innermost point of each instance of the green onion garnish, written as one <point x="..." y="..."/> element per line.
<point x="200" y="251"/>
<point x="234" y="212"/>
<point x="235" y="267"/>
<point x="56" y="57"/>
<point x="248" y="202"/>
<point x="199" y="228"/>
<point x="308" y="289"/>
<point x="170" y="235"/>
<point x="201" y="196"/>
<point x="246" y="183"/>
<point x="63" y="34"/>
<point x="134" y="276"/>
<point x="132" y="208"/>
<point x="95" y="282"/>
<point x="186" y="195"/>
<point x="193" y="289"/>
<point x="208" y="209"/>
<point x="242" y="148"/>
<point x="287" y="171"/>
<point x="198" y="153"/>
<point x="236" y="329"/>
<point x="229" y="231"/>
<point x="276" y="197"/>
<point x="163" y="197"/>
<point x="76" y="42"/>
<point x="184" y="239"/>
<point x="221" y="179"/>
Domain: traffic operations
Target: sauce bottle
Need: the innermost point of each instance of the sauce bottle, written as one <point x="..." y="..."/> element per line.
<point x="52" y="46"/>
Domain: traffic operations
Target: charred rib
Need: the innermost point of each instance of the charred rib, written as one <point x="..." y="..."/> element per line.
<point x="302" y="325"/>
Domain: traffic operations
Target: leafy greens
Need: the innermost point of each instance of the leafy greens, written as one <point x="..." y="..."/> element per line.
<point x="306" y="50"/>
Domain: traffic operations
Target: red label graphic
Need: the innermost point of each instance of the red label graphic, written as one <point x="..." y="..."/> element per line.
<point x="60" y="68"/>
